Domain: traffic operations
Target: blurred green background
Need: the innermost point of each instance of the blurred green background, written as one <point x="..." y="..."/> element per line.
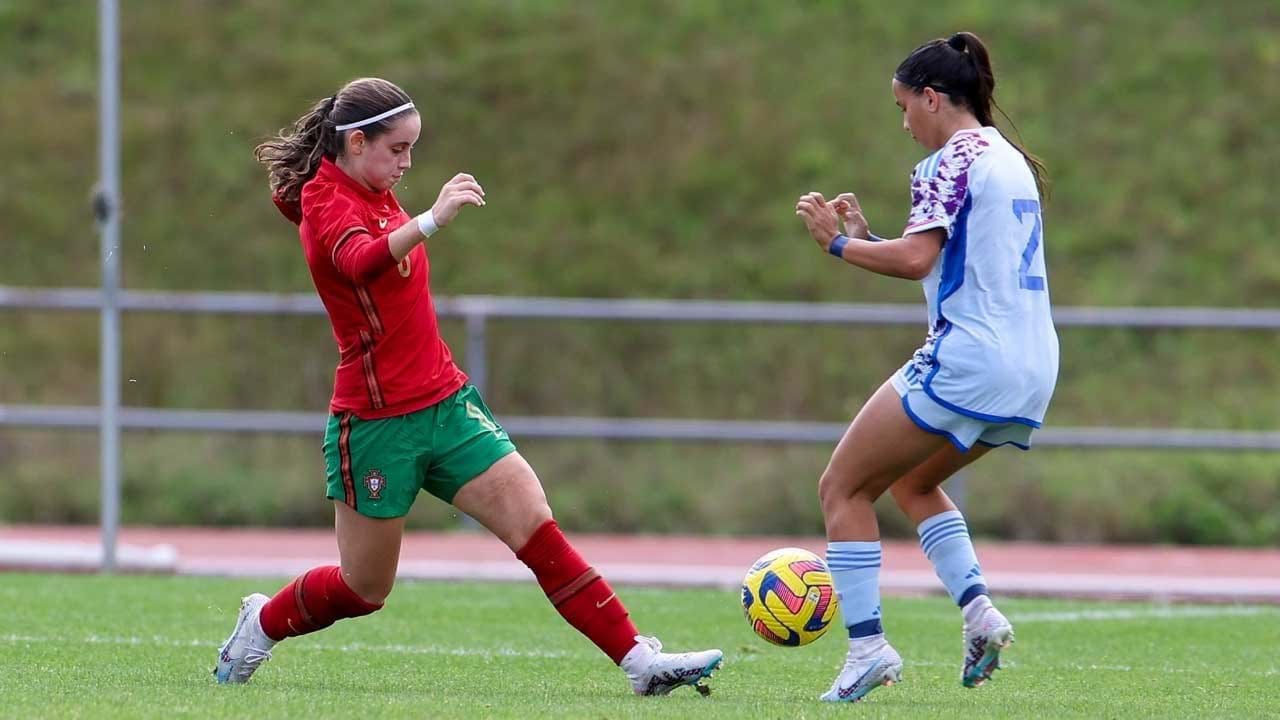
<point x="650" y="149"/>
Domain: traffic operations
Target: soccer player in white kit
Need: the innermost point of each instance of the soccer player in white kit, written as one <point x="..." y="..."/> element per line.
<point x="984" y="375"/>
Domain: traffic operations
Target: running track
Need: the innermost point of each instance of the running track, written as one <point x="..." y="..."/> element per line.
<point x="1095" y="571"/>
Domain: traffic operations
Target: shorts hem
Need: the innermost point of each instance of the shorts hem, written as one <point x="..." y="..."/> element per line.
<point x="920" y="423"/>
<point x="376" y="514"/>
<point x="458" y="486"/>
<point x="1014" y="443"/>
<point x="974" y="414"/>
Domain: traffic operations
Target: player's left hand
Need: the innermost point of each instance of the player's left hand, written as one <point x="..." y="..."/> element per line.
<point x="819" y="217"/>
<point x="855" y="223"/>
<point x="461" y="190"/>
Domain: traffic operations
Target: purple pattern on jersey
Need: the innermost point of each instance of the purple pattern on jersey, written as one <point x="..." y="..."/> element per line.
<point x="925" y="356"/>
<point x="940" y="196"/>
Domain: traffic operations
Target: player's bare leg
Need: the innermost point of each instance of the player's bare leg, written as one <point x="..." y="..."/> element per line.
<point x="508" y="499"/>
<point x="369" y="552"/>
<point x="879" y="447"/>
<point x="918" y="492"/>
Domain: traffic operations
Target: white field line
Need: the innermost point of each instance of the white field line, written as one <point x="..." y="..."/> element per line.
<point x="1245" y="589"/>
<point x="506" y="652"/>
<point x="1154" y="613"/>
<point x="397" y="649"/>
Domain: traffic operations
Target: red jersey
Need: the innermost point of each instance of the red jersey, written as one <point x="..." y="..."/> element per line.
<point x="392" y="360"/>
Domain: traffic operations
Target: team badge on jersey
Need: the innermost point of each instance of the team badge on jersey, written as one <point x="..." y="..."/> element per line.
<point x="375" y="482"/>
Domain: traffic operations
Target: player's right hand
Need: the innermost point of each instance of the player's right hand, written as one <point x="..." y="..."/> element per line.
<point x="461" y="190"/>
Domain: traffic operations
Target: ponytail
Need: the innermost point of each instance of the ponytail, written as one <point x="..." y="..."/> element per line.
<point x="293" y="157"/>
<point x="984" y="80"/>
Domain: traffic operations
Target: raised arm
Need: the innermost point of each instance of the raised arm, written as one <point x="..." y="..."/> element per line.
<point x="911" y="257"/>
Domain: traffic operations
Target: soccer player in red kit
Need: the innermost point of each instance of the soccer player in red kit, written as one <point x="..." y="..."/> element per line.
<point x="403" y="418"/>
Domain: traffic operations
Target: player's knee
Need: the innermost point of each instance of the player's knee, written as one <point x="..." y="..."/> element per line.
<point x="373" y="591"/>
<point x="539" y="513"/>
<point x="834" y="490"/>
<point x="911" y="488"/>
<point x="533" y="518"/>
<point x="377" y="598"/>
<point x="905" y="491"/>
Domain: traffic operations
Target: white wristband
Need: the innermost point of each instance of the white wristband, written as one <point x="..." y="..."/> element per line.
<point x="427" y="223"/>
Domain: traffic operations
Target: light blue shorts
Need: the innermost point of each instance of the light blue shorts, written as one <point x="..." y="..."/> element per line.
<point x="963" y="431"/>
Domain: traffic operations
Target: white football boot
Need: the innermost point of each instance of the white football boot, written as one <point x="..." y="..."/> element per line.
<point x="653" y="672"/>
<point x="866" y="668"/>
<point x="983" y="640"/>
<point x="248" y="645"/>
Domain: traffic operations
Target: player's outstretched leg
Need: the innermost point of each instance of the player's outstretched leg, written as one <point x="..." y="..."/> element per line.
<point x="590" y="605"/>
<point x="986" y="634"/>
<point x="247" y="647"/>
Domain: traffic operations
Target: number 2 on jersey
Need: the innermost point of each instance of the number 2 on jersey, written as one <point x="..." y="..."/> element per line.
<point x="1025" y="280"/>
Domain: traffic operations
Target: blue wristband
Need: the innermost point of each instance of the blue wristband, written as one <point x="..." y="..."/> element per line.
<point x="837" y="246"/>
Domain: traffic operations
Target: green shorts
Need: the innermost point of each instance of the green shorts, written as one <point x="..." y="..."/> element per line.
<point x="378" y="466"/>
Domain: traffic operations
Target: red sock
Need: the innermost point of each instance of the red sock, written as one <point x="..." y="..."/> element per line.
<point x="314" y="600"/>
<point x="578" y="592"/>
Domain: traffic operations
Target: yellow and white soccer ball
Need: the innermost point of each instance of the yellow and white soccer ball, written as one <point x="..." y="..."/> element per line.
<point x="788" y="597"/>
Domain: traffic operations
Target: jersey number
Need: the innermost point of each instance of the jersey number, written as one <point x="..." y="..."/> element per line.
<point x="1027" y="281"/>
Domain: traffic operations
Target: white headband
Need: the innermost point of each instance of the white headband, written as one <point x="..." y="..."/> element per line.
<point x="375" y="118"/>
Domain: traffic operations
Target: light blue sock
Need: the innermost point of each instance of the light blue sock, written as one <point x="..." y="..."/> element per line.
<point x="855" y="571"/>
<point x="945" y="541"/>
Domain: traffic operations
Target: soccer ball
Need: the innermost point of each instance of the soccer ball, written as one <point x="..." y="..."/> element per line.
<point x="788" y="597"/>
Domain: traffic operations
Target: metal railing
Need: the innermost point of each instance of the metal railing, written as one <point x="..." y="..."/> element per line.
<point x="476" y="311"/>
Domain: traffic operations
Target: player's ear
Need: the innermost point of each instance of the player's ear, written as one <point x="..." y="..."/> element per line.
<point x="355" y="142"/>
<point x="931" y="99"/>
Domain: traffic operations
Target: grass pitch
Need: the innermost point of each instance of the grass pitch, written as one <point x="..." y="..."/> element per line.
<point x="126" y="647"/>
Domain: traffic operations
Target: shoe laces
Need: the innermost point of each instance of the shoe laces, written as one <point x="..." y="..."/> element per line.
<point x="850" y="663"/>
<point x="984" y="622"/>
<point x="640" y="666"/>
<point x="652" y="643"/>
<point x="253" y="657"/>
<point x="856" y="662"/>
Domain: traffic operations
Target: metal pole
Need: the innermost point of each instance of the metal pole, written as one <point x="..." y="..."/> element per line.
<point x="477" y="367"/>
<point x="106" y="207"/>
<point x="957" y="490"/>
<point x="477" y="371"/>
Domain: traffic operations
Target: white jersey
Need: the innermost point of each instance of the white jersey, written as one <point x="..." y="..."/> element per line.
<point x="992" y="351"/>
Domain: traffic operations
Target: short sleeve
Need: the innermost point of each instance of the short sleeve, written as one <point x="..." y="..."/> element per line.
<point x="940" y="184"/>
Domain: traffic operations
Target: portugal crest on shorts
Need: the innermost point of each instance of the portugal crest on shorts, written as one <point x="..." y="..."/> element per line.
<point x="375" y="482"/>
